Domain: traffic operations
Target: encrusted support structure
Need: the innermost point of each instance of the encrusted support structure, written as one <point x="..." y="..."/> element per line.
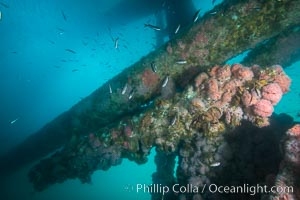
<point x="282" y="49"/>
<point x="164" y="175"/>
<point x="247" y="156"/>
<point x="192" y="123"/>
<point x="235" y="27"/>
<point x="287" y="178"/>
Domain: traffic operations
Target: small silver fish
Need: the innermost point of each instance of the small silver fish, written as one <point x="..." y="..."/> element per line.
<point x="14" y="121"/>
<point x="124" y="89"/>
<point x="0" y="15"/>
<point x="131" y="94"/>
<point x="213" y="13"/>
<point x="256" y="8"/>
<point x="173" y="121"/>
<point x="196" y="16"/>
<point x="60" y="29"/>
<point x="71" y="51"/>
<point x="4" y="5"/>
<point x="181" y="62"/>
<point x="52" y="42"/>
<point x="147" y="104"/>
<point x="152" y="27"/>
<point x="110" y="90"/>
<point x="177" y="29"/>
<point x="154" y="67"/>
<point x="165" y="81"/>
<point x="63" y="14"/>
<point x="116" y="43"/>
<point x="216" y="164"/>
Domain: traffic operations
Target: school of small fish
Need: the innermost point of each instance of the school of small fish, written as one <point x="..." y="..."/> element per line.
<point x="116" y="40"/>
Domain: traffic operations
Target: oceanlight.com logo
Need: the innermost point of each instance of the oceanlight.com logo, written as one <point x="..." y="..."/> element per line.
<point x="249" y="189"/>
<point x="212" y="188"/>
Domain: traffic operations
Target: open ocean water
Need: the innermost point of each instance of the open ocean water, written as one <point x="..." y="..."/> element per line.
<point x="53" y="54"/>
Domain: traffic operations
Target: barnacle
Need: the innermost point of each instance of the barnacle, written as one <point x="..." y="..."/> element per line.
<point x="212" y="130"/>
<point x="209" y="122"/>
<point x="259" y="121"/>
<point x="146" y="120"/>
<point x="271" y="72"/>
<point x="253" y="86"/>
<point x="213" y="114"/>
<point x="258" y="84"/>
<point x="197" y="121"/>
<point x="236" y="100"/>
<point x="235" y="121"/>
<point x="240" y="90"/>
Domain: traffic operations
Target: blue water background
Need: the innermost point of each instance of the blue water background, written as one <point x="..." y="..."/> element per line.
<point x="38" y="82"/>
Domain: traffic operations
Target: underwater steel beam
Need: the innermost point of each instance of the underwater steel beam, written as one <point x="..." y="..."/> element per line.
<point x="229" y="29"/>
<point x="282" y="49"/>
<point x="208" y="110"/>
